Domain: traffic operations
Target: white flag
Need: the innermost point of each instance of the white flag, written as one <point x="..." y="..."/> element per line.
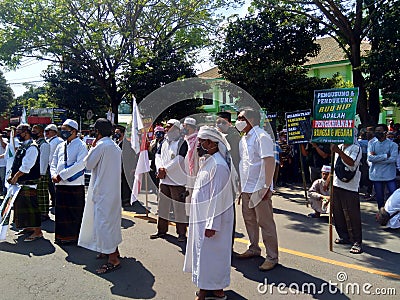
<point x="23" y="116"/>
<point x="143" y="166"/>
<point x="137" y="125"/>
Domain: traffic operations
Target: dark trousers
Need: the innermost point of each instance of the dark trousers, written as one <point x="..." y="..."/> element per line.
<point x="347" y="215"/>
<point x="52" y="190"/>
<point x="379" y="187"/>
<point x="175" y="196"/>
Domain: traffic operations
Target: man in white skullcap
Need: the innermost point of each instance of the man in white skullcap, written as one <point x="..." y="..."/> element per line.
<point x="319" y="194"/>
<point x="208" y="251"/>
<point x="67" y="172"/>
<point x="171" y="172"/>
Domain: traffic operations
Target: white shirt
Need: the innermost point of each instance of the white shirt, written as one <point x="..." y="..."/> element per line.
<point x="76" y="153"/>
<point x="254" y="146"/>
<point x="28" y="161"/>
<point x="354" y="151"/>
<point x="2" y="151"/>
<point x="44" y="158"/>
<point x="172" y="162"/>
<point x="53" y="142"/>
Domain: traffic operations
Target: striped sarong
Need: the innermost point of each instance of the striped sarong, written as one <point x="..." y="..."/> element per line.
<point x="70" y="202"/>
<point x="43" y="194"/>
<point x="26" y="208"/>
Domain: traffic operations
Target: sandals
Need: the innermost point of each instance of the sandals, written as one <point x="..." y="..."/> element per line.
<point x="107" y="268"/>
<point x="23" y="231"/>
<point x="314" y="215"/>
<point x="340" y="241"/>
<point x="33" y="238"/>
<point x="356" y="248"/>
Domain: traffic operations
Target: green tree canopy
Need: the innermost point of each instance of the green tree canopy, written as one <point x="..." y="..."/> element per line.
<point x="349" y="22"/>
<point x="263" y="54"/>
<point x="6" y="94"/>
<point x="384" y="60"/>
<point x="103" y="36"/>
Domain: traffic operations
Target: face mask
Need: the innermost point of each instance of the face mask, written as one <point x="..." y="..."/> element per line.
<point x="116" y="136"/>
<point x="240" y="125"/>
<point x="159" y="135"/>
<point x="185" y="131"/>
<point x="223" y="127"/>
<point x="173" y="134"/>
<point x="20" y="138"/>
<point x="201" y="151"/>
<point x="65" y="134"/>
<point x="35" y="136"/>
<point x="379" y="135"/>
<point x="391" y="139"/>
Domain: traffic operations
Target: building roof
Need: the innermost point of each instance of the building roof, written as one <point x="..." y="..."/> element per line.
<point x="212" y="73"/>
<point x="331" y="52"/>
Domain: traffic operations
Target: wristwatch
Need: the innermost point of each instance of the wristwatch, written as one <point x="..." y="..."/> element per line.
<point x="265" y="186"/>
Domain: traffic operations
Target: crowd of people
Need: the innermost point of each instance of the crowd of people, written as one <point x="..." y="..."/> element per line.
<point x="200" y="172"/>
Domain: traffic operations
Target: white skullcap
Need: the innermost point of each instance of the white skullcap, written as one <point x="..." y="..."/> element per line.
<point x="71" y="123"/>
<point x="51" y="127"/>
<point x="174" y="122"/>
<point x="190" y="121"/>
<point x="326" y="169"/>
<point x="212" y="134"/>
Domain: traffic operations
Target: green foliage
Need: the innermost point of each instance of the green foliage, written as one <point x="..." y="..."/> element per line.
<point x="35" y="97"/>
<point x="383" y="61"/>
<point x="103" y="37"/>
<point x="6" y="94"/>
<point x="263" y="54"/>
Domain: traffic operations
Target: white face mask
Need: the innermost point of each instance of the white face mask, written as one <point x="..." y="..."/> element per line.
<point x="240" y="125"/>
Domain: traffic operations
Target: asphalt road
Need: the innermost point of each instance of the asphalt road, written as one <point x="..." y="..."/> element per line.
<point x="152" y="269"/>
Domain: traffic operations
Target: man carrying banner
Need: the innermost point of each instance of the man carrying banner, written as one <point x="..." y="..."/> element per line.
<point x="346" y="202"/>
<point x="26" y="172"/>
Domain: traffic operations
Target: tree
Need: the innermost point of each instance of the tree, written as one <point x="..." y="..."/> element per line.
<point x="383" y="61"/>
<point x="349" y="22"/>
<point x="105" y="36"/>
<point x="263" y="54"/>
<point x="6" y="94"/>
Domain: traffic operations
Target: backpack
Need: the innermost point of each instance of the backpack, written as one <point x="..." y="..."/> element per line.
<point x="343" y="173"/>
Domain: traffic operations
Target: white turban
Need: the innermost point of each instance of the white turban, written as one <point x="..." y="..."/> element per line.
<point x="212" y="134"/>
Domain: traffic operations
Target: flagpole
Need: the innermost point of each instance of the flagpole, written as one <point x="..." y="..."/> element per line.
<point x="147" y="193"/>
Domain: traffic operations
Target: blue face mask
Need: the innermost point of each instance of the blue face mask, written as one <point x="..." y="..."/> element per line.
<point x="20" y="138"/>
<point x="65" y="134"/>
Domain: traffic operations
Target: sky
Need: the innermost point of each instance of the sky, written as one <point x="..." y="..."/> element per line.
<point x="30" y="69"/>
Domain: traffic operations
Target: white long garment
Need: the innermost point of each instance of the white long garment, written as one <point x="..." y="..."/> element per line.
<point x="391" y="206"/>
<point x="209" y="259"/>
<point x="101" y="223"/>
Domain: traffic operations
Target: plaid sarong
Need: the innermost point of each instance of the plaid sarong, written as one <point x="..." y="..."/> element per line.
<point x="26" y="209"/>
<point x="43" y="194"/>
<point x="70" y="202"/>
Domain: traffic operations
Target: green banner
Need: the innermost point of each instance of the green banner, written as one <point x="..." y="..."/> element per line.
<point x="334" y="115"/>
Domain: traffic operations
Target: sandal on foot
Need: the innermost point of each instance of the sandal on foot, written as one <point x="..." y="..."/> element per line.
<point x="23" y="231"/>
<point x="356" y="249"/>
<point x="33" y="238"/>
<point x="313" y="215"/>
<point x="340" y="241"/>
<point x="107" y="268"/>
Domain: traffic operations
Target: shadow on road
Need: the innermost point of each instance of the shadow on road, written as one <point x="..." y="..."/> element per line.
<point x="292" y="281"/>
<point x="132" y="280"/>
<point x="36" y="248"/>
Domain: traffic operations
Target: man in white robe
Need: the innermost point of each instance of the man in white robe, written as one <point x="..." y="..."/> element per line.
<point x="101" y="223"/>
<point x="208" y="251"/>
<point x="392" y="206"/>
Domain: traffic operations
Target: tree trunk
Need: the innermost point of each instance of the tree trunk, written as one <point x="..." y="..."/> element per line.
<point x="114" y="109"/>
